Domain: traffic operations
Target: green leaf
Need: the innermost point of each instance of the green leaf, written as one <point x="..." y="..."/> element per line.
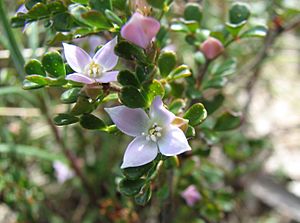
<point x="127" y="78"/>
<point x="132" y="97"/>
<point x="213" y="104"/>
<point x="63" y="22"/>
<point x="34" y="66"/>
<point x="157" y="3"/>
<point x="179" y="26"/>
<point x="224" y="69"/>
<point x="193" y="11"/>
<point x="203" y="152"/>
<point x="177" y="105"/>
<point x="228" y="121"/>
<point x="89" y="121"/>
<point x="101" y="5"/>
<point x="196" y="114"/>
<point x="30" y="3"/>
<point x="56" y="82"/>
<point x="18" y="21"/>
<point x="83" y="105"/>
<point x="216" y="82"/>
<point x="180" y="72"/>
<point x="133" y="173"/>
<point x="238" y="13"/>
<point x="166" y="63"/>
<point x="131" y="187"/>
<point x="70" y="96"/>
<point x="113" y="17"/>
<point x="144" y="197"/>
<point x="177" y="89"/>
<point x="56" y="7"/>
<point x="28" y="85"/>
<point x="256" y="31"/>
<point x="190" y="132"/>
<point x="153" y="90"/>
<point x="199" y="58"/>
<point x="96" y="19"/>
<point x="129" y="51"/>
<point x="84" y="2"/>
<point x="54" y="64"/>
<point x="31" y="151"/>
<point x="143" y="73"/>
<point x="210" y="136"/>
<point x="235" y="29"/>
<point x="59" y="37"/>
<point x="65" y="119"/>
<point x="39" y="10"/>
<point x="40" y="80"/>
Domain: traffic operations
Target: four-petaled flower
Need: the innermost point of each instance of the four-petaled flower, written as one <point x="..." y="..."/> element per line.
<point x="62" y="172"/>
<point x="152" y="133"/>
<point x="191" y="195"/>
<point x="92" y="70"/>
<point x="140" y="30"/>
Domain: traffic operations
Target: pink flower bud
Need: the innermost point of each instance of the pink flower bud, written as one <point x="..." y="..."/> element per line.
<point x="212" y="48"/>
<point x="191" y="195"/>
<point x="140" y="30"/>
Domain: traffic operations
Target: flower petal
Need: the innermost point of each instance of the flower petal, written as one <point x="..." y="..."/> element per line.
<point x="106" y="56"/>
<point x="131" y="121"/>
<point x="191" y="195"/>
<point x="140" y="30"/>
<point x="76" y="57"/>
<point x="173" y="142"/>
<point x="108" y="77"/>
<point x="139" y="152"/>
<point x="80" y="78"/>
<point x="158" y="113"/>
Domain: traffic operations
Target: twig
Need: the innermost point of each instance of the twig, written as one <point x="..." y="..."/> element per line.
<point x="201" y="74"/>
<point x="256" y="65"/>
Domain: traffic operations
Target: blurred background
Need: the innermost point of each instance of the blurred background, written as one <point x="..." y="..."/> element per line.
<point x="35" y="185"/>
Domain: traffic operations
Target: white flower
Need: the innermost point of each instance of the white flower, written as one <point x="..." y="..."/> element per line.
<point x="154" y="133"/>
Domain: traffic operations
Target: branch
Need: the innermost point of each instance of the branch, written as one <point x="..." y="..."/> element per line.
<point x="255" y="66"/>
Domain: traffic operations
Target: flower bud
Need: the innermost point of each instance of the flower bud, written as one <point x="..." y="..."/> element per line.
<point x="191" y="195"/>
<point x="92" y="90"/>
<point x="140" y="30"/>
<point x="212" y="48"/>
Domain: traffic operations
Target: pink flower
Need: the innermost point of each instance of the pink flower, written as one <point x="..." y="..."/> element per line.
<point x="191" y="195"/>
<point x="91" y="70"/>
<point x="212" y="48"/>
<point x="140" y="30"/>
<point x="154" y="133"/>
<point x="62" y="172"/>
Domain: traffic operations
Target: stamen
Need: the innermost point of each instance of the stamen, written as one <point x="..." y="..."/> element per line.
<point x="153" y="138"/>
<point x="154" y="132"/>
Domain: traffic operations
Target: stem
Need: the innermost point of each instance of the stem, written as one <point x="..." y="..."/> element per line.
<point x="68" y="153"/>
<point x="201" y="74"/>
<point x="12" y="43"/>
<point x="256" y="64"/>
<point x="168" y="208"/>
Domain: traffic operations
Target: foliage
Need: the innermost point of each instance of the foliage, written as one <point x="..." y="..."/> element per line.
<point x="192" y="86"/>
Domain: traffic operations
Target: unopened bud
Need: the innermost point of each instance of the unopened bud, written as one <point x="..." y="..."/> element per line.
<point x="212" y="48"/>
<point x="92" y="90"/>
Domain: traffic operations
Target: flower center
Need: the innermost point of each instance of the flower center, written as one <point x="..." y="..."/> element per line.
<point x="154" y="133"/>
<point x="94" y="70"/>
